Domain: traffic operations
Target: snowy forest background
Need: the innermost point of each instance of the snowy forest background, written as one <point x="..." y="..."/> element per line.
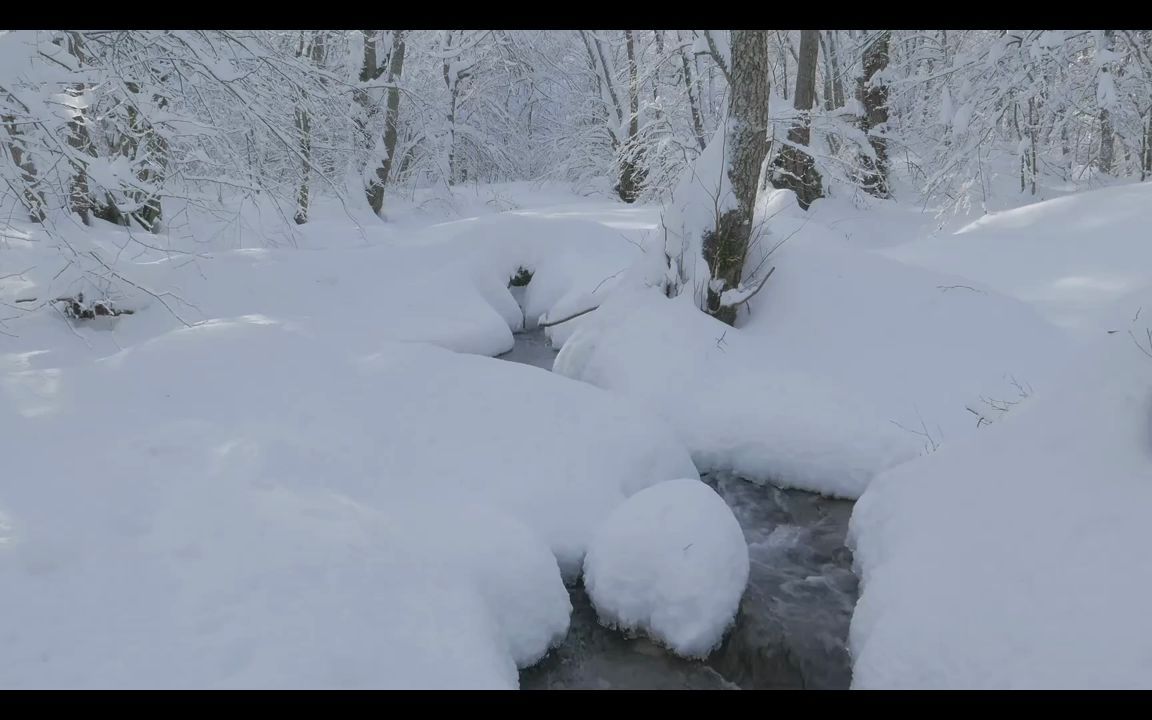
<point x="108" y="122"/>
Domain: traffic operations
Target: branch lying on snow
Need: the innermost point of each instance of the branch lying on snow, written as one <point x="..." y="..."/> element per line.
<point x="570" y="317"/>
<point x="736" y="297"/>
<point x="946" y="288"/>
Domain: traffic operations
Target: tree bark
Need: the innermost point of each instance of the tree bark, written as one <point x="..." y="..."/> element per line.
<point x="31" y="192"/>
<point x="1106" y="158"/>
<point x="631" y="169"/>
<point x="79" y="139"/>
<point x="375" y="189"/>
<point x="725" y="247"/>
<point x="1146" y="165"/>
<point x="693" y="101"/>
<point x="873" y="96"/>
<point x="312" y="48"/>
<point x="794" y="167"/>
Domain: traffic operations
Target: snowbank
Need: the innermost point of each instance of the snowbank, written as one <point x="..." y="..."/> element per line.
<point x="239" y="504"/>
<point x="1019" y="559"/>
<point x="848" y="362"/>
<point x="352" y="286"/>
<point x="670" y="561"/>
<point x="732" y="407"/>
<point x="1071" y="257"/>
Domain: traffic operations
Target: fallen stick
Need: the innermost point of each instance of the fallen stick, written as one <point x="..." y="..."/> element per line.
<point x="570" y="317"/>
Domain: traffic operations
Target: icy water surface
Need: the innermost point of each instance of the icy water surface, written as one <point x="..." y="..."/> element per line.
<point x="792" y="628"/>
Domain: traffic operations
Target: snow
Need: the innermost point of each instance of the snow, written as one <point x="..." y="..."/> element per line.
<point x="1015" y="558"/>
<point x="848" y="363"/>
<point x="243" y="504"/>
<point x="672" y="562"/>
<point x="1018" y="559"/>
<point x="1070" y="257"/>
<point x="293" y="467"/>
<point x="711" y="383"/>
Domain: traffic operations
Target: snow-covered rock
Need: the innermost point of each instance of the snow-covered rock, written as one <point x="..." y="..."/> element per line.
<point x="672" y="562"/>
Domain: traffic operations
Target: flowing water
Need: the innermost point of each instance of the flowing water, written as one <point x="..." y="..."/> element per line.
<point x="792" y="627"/>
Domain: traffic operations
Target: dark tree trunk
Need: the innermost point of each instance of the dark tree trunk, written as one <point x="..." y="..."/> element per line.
<point x="693" y="101"/>
<point x="311" y="47"/>
<point x="1146" y="165"/>
<point x="1107" y="156"/>
<point x="873" y="96"/>
<point x="31" y="193"/>
<point x="375" y="190"/>
<point x="79" y="139"/>
<point x="794" y="167"/>
<point x="725" y="247"/>
<point x="632" y="172"/>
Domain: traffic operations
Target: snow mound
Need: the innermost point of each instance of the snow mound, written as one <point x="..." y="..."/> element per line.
<point x="1071" y="257"/>
<point x="847" y="363"/>
<point x="242" y="504"/>
<point x="728" y="399"/>
<point x="671" y="561"/>
<point x="1019" y="559"/>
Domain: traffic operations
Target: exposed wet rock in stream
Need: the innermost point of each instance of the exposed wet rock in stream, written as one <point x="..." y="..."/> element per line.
<point x="792" y="627"/>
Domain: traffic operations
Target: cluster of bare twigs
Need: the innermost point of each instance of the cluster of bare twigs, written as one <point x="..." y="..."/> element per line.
<point x="1000" y="406"/>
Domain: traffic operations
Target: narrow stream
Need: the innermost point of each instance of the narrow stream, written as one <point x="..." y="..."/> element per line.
<point x="792" y="627"/>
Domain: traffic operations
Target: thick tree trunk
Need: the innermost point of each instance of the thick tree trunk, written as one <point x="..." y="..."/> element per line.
<point x="153" y="173"/>
<point x="391" y="123"/>
<point x="873" y="96"/>
<point x="150" y="160"/>
<point x="693" y="101"/>
<point x="725" y="247"/>
<point x="1107" y="156"/>
<point x="794" y="167"/>
<point x="631" y="164"/>
<point x="311" y="47"/>
<point x="369" y="70"/>
<point x="31" y="193"/>
<point x="79" y="139"/>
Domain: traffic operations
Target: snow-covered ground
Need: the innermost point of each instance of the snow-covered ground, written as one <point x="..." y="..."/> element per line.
<point x="290" y="467"/>
<point x="848" y="362"/>
<point x="1017" y="558"/>
<point x="279" y="455"/>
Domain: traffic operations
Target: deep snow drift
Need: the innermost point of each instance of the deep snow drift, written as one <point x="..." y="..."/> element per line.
<point x="239" y="505"/>
<point x="1017" y="558"/>
<point x="1071" y="257"/>
<point x="848" y="363"/>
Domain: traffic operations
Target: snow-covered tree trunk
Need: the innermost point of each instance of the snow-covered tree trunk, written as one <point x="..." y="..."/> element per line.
<point x="312" y="48"/>
<point x="631" y="169"/>
<point x="79" y="137"/>
<point x="794" y="167"/>
<point x="1146" y="165"/>
<point x="370" y="70"/>
<point x="690" y="91"/>
<point x="153" y="170"/>
<point x="1106" y="97"/>
<point x="725" y="245"/>
<point x="375" y="190"/>
<point x="873" y="96"/>
<point x="30" y="192"/>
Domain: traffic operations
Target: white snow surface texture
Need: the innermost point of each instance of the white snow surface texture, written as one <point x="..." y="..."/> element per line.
<point x="671" y="561"/>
